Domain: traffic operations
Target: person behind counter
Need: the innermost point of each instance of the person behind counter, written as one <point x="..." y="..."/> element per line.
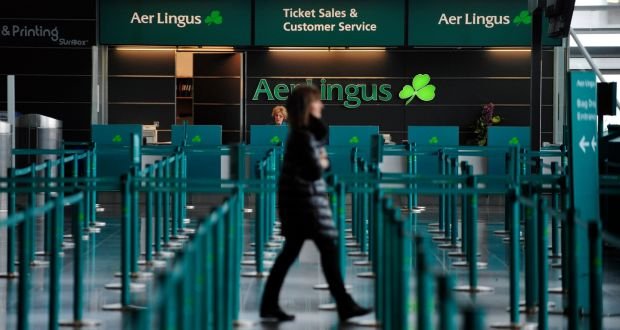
<point x="279" y="115"/>
<point x="304" y="208"/>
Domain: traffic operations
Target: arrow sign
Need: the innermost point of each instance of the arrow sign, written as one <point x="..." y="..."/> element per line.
<point x="593" y="143"/>
<point x="583" y="144"/>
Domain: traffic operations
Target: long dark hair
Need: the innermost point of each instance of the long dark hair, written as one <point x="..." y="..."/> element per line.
<point x="298" y="104"/>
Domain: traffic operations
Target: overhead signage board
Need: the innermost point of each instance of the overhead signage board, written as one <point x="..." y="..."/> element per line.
<point x="329" y="23"/>
<point x="176" y="23"/>
<point x="583" y="166"/>
<point x="472" y="23"/>
<point x="47" y="33"/>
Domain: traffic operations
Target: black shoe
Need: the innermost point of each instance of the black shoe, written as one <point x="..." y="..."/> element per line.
<point x="352" y="310"/>
<point x="276" y="314"/>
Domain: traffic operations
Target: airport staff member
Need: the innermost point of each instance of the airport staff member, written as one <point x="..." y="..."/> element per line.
<point x="279" y="115"/>
<point x="304" y="208"/>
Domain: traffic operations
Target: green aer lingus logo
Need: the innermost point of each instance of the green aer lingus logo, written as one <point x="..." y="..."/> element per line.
<point x="524" y="18"/>
<point x="117" y="138"/>
<point x="215" y="17"/>
<point x="433" y="140"/>
<point x="514" y="141"/>
<point x="197" y="139"/>
<point x="419" y="87"/>
<point x="275" y="139"/>
<point x="354" y="140"/>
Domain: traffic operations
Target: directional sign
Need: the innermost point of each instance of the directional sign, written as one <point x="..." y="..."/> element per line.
<point x="583" y="161"/>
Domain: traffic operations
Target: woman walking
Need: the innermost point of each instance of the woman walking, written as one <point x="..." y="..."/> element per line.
<point x="304" y="207"/>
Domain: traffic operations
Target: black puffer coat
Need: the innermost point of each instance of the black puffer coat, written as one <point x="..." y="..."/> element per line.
<point x="302" y="193"/>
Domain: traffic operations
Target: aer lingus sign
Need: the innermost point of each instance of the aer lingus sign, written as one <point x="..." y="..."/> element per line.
<point x="172" y="22"/>
<point x="471" y="23"/>
<point x="352" y="94"/>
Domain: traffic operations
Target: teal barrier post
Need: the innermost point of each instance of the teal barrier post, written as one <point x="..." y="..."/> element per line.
<point x="134" y="227"/>
<point x="453" y="208"/>
<point x="158" y="208"/>
<point x="515" y="259"/>
<point x="32" y="201"/>
<point x="596" y="275"/>
<point x="380" y="265"/>
<point x="571" y="254"/>
<point x="555" y="204"/>
<point x="542" y="232"/>
<point x="363" y="238"/>
<point x="165" y="174"/>
<point x="92" y="207"/>
<point x="424" y="285"/>
<point x="409" y="149"/>
<point x="531" y="263"/>
<point x="414" y="165"/>
<point x="10" y="230"/>
<point x="443" y="223"/>
<point x="174" y="173"/>
<point x="47" y="230"/>
<point x="447" y="303"/>
<point x="25" y="273"/>
<point x="340" y="216"/>
<point x="354" y="197"/>
<point x="55" y="264"/>
<point x="464" y="215"/>
<point x="78" y="269"/>
<point x="474" y="318"/>
<point x="148" y="223"/>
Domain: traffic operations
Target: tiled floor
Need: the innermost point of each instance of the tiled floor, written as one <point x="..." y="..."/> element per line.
<point x="298" y="296"/>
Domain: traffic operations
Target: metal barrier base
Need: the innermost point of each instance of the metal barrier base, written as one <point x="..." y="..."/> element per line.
<point x="502" y="233"/>
<point x="251" y="262"/>
<point x="327" y="307"/>
<point x="365" y="323"/>
<point x="255" y="274"/>
<point x="441" y="238"/>
<point x="79" y="324"/>
<point x="357" y="254"/>
<point x="478" y="289"/>
<point x="133" y="287"/>
<point x="449" y="246"/>
<point x="325" y="287"/>
<point x="265" y="254"/>
<point x="100" y="224"/>
<point x="556" y="290"/>
<point x="243" y="324"/>
<point x="362" y="263"/>
<point x="136" y="275"/>
<point x="366" y="275"/>
<point x="463" y="264"/>
<point x="9" y="275"/>
<point x="119" y="307"/>
<point x="153" y="263"/>
<point x="514" y="326"/>
<point x="352" y="244"/>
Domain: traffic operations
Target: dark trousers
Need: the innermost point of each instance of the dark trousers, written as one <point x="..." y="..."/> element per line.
<point x="288" y="255"/>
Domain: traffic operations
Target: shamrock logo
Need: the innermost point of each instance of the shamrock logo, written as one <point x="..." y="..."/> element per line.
<point x="433" y="140"/>
<point x="117" y="138"/>
<point x="514" y="141"/>
<point x="197" y="139"/>
<point x="419" y="87"/>
<point x="523" y="18"/>
<point x="275" y="139"/>
<point x="214" y="17"/>
<point x="354" y="140"/>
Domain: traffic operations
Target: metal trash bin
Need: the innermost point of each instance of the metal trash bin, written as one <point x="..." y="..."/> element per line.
<point x="5" y="159"/>
<point x="33" y="131"/>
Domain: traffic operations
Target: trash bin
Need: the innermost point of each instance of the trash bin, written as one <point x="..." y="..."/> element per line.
<point x="5" y="159"/>
<point x="33" y="131"/>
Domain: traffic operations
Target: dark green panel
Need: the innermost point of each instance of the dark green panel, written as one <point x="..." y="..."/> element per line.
<point x="169" y="22"/>
<point x="325" y="23"/>
<point x="471" y="23"/>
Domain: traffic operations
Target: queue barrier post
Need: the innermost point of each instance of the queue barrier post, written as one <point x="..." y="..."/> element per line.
<point x="531" y="251"/>
<point x="354" y="197"/>
<point x="447" y="303"/>
<point x="572" y="294"/>
<point x="424" y="301"/>
<point x="168" y="235"/>
<point x="25" y="274"/>
<point x="410" y="150"/>
<point x="596" y="275"/>
<point x="47" y="222"/>
<point x="555" y="225"/>
<point x="452" y="206"/>
<point x="542" y="233"/>
<point x="148" y="224"/>
<point x="473" y="318"/>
